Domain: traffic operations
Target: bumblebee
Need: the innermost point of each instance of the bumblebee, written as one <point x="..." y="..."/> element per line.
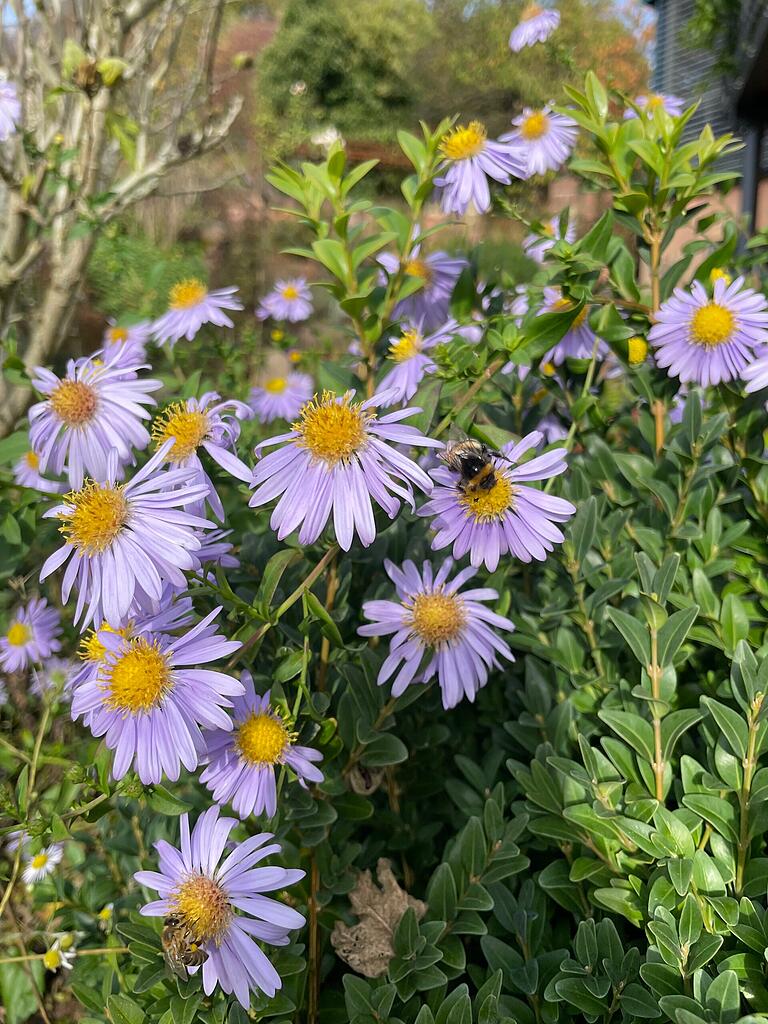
<point x="180" y="947"/>
<point x="474" y="461"/>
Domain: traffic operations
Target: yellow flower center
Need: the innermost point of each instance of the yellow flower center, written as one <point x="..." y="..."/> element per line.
<point x="32" y="459"/>
<point x="534" y="126"/>
<point x="105" y="914"/>
<point x="277" y="334"/>
<point x="331" y="430"/>
<point x="462" y="143"/>
<point x="276" y="385"/>
<point x="406" y="347"/>
<point x="418" y="268"/>
<point x="18" y="634"/>
<point x="74" y="402"/>
<point x="52" y="960"/>
<point x="295" y="357"/>
<point x="39" y="861"/>
<point x="654" y="102"/>
<point x="548" y="369"/>
<point x="563" y="304"/>
<point x="531" y="11"/>
<point x="290" y="293"/>
<point x="187" y="427"/>
<point x="138" y="679"/>
<point x="437" y="618"/>
<point x="66" y="941"/>
<point x="92" y="649"/>
<point x="488" y="505"/>
<point x="262" y="739"/>
<point x="97" y="516"/>
<point x="204" y="907"/>
<point x="712" y="325"/>
<point x="187" y="293"/>
<point x="637" y="350"/>
<point x="718" y="274"/>
<point x="116" y="335"/>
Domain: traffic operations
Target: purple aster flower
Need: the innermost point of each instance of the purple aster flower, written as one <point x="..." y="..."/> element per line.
<point x="96" y="409"/>
<point x="471" y="158"/>
<point x="216" y="550"/>
<point x="149" y="699"/>
<point x="430" y="305"/>
<point x="289" y="300"/>
<point x="408" y="352"/>
<point x="124" y="541"/>
<point x="710" y="340"/>
<point x="651" y="102"/>
<point x="209" y="424"/>
<point x="242" y="763"/>
<point x="56" y="676"/>
<point x="437" y="630"/>
<point x="130" y="341"/>
<point x="281" y="398"/>
<point x="578" y="342"/>
<point x="31" y="636"/>
<point x="190" y="306"/>
<point x="543" y="140"/>
<point x="551" y="426"/>
<point x="207" y="896"/>
<point x="516" y="306"/>
<point x="339" y="455"/>
<point x="536" y="25"/>
<point x="536" y="246"/>
<point x="10" y="110"/>
<point x="26" y="473"/>
<point x="510" y="516"/>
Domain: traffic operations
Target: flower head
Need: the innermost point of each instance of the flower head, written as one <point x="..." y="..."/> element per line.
<point x="339" y="454"/>
<point x="149" y="699"/>
<point x="125" y="541"/>
<point x="94" y="410"/>
<point x="54" y="676"/>
<point x="510" y="516"/>
<point x="31" y="636"/>
<point x="708" y="340"/>
<point x="26" y="473"/>
<point x="543" y="139"/>
<point x="470" y="159"/>
<point x="578" y="342"/>
<point x="242" y="763"/>
<point x="637" y="350"/>
<point x="289" y="300"/>
<point x="536" y="25"/>
<point x="439" y="272"/>
<point x="409" y="354"/>
<point x="10" y="110"/>
<point x="223" y="904"/>
<point x="208" y="424"/>
<point x="190" y="305"/>
<point x="215" y="549"/>
<point x="650" y="102"/>
<point x="437" y="630"/>
<point x="131" y="341"/>
<point x="39" y="865"/>
<point x="536" y="246"/>
<point x="57" y="957"/>
<point x="281" y="398"/>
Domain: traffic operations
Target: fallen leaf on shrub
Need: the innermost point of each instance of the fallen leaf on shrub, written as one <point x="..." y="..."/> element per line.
<point x="367" y="945"/>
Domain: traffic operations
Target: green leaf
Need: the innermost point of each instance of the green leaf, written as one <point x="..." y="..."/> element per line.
<point x="633" y="632"/>
<point x="673" y="726"/>
<point x="576" y="992"/>
<point x="333" y="256"/>
<point x="17" y="995"/>
<point x="384" y="749"/>
<point x="719" y="813"/>
<point x="632" y="729"/>
<point x="639" y="1002"/>
<point x="583" y="529"/>
<point x="273" y="572"/>
<point x="328" y="626"/>
<point x="164" y="802"/>
<point x="123" y="1010"/>
<point x="673" y="633"/>
<point x="441" y="894"/>
<point x="734" y="621"/>
<point x="730" y="723"/>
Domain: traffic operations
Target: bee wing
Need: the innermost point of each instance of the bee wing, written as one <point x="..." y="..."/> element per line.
<point x="176" y="966"/>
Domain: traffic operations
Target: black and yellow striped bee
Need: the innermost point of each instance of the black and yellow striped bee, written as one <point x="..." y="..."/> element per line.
<point x="180" y="947"/>
<point x="474" y="461"/>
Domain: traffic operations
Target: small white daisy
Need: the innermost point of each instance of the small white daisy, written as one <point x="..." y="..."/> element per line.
<point x="40" y="865"/>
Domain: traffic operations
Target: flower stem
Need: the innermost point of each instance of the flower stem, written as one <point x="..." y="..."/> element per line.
<point x="654" y="671"/>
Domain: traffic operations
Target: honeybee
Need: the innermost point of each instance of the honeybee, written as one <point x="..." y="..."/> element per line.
<point x="180" y="947"/>
<point x="474" y="461"/>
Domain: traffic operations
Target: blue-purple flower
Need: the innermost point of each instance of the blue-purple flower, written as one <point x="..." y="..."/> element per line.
<point x="125" y="541"/>
<point x="470" y="159"/>
<point x="31" y="636"/>
<point x="190" y="306"/>
<point x="536" y="246"/>
<point x="509" y="517"/>
<point x="150" y="700"/>
<point x="709" y="340"/>
<point x="543" y="139"/>
<point x="130" y="341"/>
<point x="430" y="305"/>
<point x="281" y="398"/>
<point x="222" y="904"/>
<point x="412" y="363"/>
<point x="338" y="456"/>
<point x="209" y="424"/>
<point x="10" y="110"/>
<point x="94" y="410"/>
<point x="649" y="103"/>
<point x="26" y="473"/>
<point x="578" y="342"/>
<point x="437" y="631"/>
<point x="536" y="25"/>
<point x="242" y="762"/>
<point x="289" y="300"/>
